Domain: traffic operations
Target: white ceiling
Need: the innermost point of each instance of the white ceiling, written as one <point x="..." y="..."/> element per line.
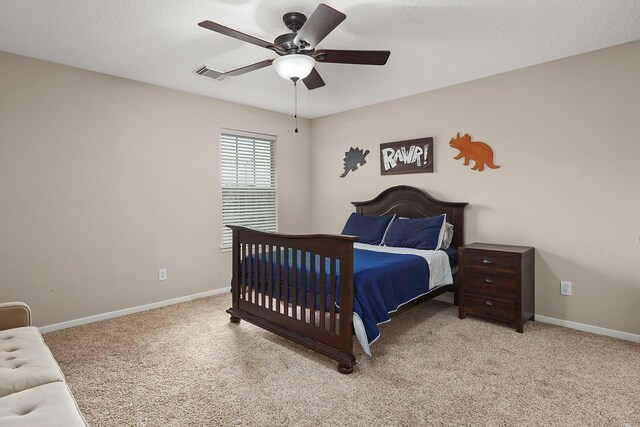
<point x="433" y="43"/>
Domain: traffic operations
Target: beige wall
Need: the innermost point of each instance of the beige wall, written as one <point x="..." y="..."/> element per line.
<point x="566" y="136"/>
<point x="104" y="180"/>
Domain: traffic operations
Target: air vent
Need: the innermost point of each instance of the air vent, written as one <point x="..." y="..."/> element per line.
<point x="208" y="72"/>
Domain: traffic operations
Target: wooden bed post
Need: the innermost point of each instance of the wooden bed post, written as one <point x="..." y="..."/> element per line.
<point x="235" y="276"/>
<point x="346" y="307"/>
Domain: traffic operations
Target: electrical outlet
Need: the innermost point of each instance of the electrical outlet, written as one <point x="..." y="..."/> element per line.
<point x="162" y="274"/>
<point x="565" y="288"/>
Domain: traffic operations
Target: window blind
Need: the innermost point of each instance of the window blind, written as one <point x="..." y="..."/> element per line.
<point x="248" y="182"/>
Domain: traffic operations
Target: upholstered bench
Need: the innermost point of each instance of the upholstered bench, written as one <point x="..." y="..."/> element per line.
<point x="33" y="391"/>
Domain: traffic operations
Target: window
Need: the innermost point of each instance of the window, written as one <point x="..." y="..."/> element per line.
<point x="248" y="182"/>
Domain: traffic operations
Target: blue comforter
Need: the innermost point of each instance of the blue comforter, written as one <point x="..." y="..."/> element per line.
<point x="382" y="282"/>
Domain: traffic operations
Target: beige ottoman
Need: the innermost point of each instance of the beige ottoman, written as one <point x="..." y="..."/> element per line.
<point x="33" y="391"/>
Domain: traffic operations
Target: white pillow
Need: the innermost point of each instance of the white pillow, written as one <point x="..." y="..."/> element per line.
<point x="387" y="230"/>
<point x="447" y="237"/>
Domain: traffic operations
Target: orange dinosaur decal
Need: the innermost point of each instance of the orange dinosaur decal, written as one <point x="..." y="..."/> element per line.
<point x="477" y="151"/>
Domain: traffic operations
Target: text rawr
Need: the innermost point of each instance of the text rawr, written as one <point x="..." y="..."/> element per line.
<point x="415" y="154"/>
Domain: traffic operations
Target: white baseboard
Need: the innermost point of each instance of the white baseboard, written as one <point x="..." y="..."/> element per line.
<point x="627" y="336"/>
<point x="124" y="312"/>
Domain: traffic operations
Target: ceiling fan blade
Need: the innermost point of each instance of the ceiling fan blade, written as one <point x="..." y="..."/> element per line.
<point x="313" y="80"/>
<point x="364" y="57"/>
<point x="248" y="68"/>
<point x="221" y="29"/>
<point x="321" y="22"/>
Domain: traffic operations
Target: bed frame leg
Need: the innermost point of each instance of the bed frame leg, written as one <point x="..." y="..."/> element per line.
<point x="234" y="319"/>
<point x="345" y="369"/>
<point x="455" y="291"/>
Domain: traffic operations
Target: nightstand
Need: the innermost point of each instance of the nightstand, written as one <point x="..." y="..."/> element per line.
<point x="497" y="281"/>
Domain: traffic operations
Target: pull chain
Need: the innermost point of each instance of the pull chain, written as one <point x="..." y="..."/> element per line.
<point x="295" y="95"/>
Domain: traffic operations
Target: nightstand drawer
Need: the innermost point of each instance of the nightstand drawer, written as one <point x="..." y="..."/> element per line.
<point x="489" y="283"/>
<point x="488" y="261"/>
<point x="489" y="307"/>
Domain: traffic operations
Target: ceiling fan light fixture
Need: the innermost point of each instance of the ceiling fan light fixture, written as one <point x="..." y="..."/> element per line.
<point x="294" y="66"/>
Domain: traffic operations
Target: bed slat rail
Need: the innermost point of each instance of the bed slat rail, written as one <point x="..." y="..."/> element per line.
<point x="288" y="284"/>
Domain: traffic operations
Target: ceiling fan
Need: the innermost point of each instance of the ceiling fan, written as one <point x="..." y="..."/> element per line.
<point x="296" y="50"/>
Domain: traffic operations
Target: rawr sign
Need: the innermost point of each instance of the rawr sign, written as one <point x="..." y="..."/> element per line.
<point x="411" y="156"/>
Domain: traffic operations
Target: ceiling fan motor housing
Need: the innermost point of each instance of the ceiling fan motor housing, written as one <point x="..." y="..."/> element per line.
<point x="285" y="42"/>
<point x="294" y="20"/>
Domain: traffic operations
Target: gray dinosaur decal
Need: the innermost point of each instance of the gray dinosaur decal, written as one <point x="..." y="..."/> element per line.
<point x="353" y="158"/>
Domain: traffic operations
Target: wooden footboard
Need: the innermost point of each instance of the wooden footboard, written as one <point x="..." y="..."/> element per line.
<point x="297" y="286"/>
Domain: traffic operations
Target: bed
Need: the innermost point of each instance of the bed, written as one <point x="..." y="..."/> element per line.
<point x="301" y="287"/>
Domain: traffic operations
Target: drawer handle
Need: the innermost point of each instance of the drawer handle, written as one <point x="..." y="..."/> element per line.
<point x="488" y="281"/>
<point x="489" y="303"/>
<point x="487" y="261"/>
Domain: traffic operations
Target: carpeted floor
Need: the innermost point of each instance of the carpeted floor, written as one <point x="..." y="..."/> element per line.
<point x="186" y="365"/>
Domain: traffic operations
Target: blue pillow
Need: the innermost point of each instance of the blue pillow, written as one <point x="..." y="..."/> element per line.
<point x="419" y="233"/>
<point x="369" y="229"/>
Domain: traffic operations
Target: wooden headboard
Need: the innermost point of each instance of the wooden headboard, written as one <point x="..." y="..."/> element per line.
<point x="412" y="202"/>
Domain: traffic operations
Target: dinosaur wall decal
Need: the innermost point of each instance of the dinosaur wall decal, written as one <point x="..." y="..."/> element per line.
<point x="477" y="151"/>
<point x="353" y="158"/>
